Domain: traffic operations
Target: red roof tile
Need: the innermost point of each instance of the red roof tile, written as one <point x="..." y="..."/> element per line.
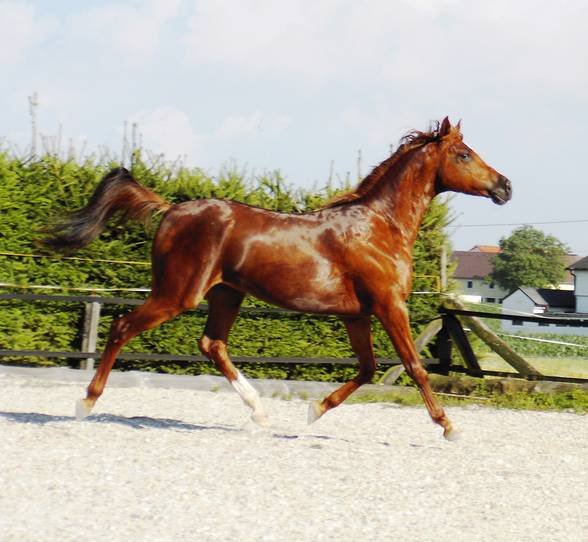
<point x="485" y="248"/>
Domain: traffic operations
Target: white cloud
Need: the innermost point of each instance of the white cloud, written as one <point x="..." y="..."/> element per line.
<point x="406" y="43"/>
<point x="382" y="123"/>
<point x="21" y="30"/>
<point x="265" y="36"/>
<point x="253" y="124"/>
<point x="168" y="130"/>
<point x="131" y="29"/>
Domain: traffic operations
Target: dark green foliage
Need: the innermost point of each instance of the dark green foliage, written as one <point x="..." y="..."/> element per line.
<point x="34" y="193"/>
<point x="529" y="257"/>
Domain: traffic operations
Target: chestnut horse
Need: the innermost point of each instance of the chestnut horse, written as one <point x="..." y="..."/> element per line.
<point x="352" y="258"/>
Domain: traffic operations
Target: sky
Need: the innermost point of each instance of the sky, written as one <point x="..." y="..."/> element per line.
<point x="298" y="85"/>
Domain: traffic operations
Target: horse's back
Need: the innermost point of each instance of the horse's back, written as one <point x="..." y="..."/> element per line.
<point x="287" y="259"/>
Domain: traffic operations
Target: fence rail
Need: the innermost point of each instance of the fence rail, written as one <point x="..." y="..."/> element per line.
<point x="90" y="328"/>
<point x="573" y="321"/>
<point x="185" y="357"/>
<point x="453" y="329"/>
<point x="448" y="334"/>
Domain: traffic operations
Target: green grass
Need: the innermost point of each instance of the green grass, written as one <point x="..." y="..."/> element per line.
<point x="575" y="400"/>
<point x="572" y="367"/>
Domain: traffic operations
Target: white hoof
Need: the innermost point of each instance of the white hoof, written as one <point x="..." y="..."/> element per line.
<point x="453" y="434"/>
<point x="261" y="419"/>
<point x="314" y="412"/>
<point x="83" y="409"/>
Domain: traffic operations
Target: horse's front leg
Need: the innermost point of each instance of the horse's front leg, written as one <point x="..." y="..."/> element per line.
<point x="360" y="337"/>
<point x="394" y="317"/>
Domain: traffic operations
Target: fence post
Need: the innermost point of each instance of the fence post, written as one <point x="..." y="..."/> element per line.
<point x="444" y="349"/>
<point x="90" y="333"/>
<point x="457" y="333"/>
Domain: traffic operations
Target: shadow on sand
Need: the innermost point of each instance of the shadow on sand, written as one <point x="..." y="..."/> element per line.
<point x="136" y="422"/>
<point x="144" y="422"/>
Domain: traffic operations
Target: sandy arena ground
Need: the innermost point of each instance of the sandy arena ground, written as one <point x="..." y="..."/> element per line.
<point x="173" y="464"/>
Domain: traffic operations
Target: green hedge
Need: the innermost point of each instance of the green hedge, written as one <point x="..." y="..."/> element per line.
<point x="34" y="192"/>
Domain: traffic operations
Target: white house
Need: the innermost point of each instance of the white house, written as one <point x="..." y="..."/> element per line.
<point x="540" y="302"/>
<point x="474" y="266"/>
<point x="550" y="302"/>
<point x="472" y="275"/>
<point x="579" y="270"/>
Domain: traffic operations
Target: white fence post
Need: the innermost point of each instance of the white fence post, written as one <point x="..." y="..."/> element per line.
<point x="90" y="333"/>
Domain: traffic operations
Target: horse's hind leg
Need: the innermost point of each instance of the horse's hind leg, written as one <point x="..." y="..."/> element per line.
<point x="360" y="337"/>
<point x="148" y="315"/>
<point x="223" y="307"/>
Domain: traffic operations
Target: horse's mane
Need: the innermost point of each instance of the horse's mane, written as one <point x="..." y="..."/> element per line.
<point x="408" y="142"/>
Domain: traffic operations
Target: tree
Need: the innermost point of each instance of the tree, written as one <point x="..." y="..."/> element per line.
<point x="529" y="257"/>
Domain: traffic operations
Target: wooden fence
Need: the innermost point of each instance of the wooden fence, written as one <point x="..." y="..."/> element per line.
<point x="447" y="332"/>
<point x="92" y="305"/>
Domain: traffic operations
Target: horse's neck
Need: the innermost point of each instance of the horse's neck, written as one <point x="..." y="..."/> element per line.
<point x="403" y="194"/>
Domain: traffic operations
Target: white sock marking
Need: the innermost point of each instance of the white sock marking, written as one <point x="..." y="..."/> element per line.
<point x="250" y="397"/>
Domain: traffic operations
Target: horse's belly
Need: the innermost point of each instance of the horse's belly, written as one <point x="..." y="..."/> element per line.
<point x="299" y="290"/>
<point x="292" y="269"/>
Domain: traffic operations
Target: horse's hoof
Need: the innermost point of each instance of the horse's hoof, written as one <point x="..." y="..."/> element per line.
<point x="452" y="434"/>
<point x="315" y="411"/>
<point x="83" y="408"/>
<point x="261" y="419"/>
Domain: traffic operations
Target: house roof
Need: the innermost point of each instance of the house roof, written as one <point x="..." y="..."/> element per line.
<point x="571" y="260"/>
<point x="579" y="263"/>
<point x="548" y="297"/>
<point x="472" y="265"/>
<point x="477" y="263"/>
<point x="492" y="249"/>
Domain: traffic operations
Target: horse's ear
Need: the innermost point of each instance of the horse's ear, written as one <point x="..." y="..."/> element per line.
<point x="445" y="127"/>
<point x="458" y="126"/>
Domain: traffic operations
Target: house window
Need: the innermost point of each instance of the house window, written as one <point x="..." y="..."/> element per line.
<point x="492" y="285"/>
<point x="490" y="300"/>
<point x="544" y="324"/>
<point x="517" y="322"/>
<point x="470" y="283"/>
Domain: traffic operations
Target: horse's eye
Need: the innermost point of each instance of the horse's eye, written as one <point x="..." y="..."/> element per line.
<point x="465" y="156"/>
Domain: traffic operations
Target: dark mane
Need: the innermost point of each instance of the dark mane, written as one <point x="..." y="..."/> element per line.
<point x="408" y="142"/>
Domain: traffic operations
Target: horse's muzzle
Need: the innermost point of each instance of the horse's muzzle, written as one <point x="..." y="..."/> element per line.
<point x="502" y="191"/>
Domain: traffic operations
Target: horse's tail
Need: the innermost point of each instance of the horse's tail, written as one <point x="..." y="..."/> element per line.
<point x="118" y="193"/>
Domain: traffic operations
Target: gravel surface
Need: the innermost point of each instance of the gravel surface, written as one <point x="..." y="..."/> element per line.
<point x="172" y="464"/>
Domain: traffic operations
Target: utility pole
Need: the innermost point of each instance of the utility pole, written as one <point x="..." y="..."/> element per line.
<point x="443" y="270"/>
<point x="125" y="144"/>
<point x="331" y="171"/>
<point x="33" y="104"/>
<point x="134" y="147"/>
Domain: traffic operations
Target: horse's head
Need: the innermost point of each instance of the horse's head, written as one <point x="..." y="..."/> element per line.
<point x="462" y="170"/>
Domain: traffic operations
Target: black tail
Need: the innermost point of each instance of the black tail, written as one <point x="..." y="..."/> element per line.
<point x="118" y="193"/>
